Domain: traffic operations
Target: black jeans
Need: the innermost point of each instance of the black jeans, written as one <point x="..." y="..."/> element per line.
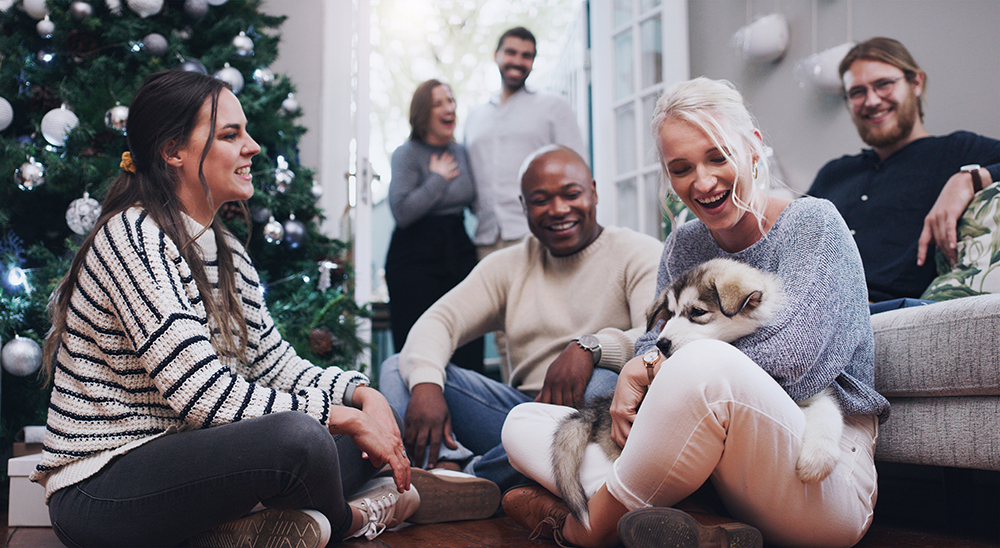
<point x="178" y="485"/>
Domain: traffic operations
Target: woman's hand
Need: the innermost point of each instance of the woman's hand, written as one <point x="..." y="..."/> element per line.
<point x="374" y="404"/>
<point x="444" y="164"/>
<point x="378" y="445"/>
<point x="633" y="382"/>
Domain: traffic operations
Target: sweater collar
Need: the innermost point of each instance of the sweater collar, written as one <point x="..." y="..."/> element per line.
<point x="594" y="248"/>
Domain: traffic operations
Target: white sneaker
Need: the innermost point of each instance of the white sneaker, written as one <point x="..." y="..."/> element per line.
<point x="269" y="527"/>
<point x="383" y="506"/>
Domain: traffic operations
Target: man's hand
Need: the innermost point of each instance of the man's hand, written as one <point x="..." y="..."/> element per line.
<point x="941" y="222"/>
<point x="427" y="423"/>
<point x="567" y="377"/>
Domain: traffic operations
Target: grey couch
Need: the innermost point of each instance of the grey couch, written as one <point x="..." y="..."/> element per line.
<point x="939" y="366"/>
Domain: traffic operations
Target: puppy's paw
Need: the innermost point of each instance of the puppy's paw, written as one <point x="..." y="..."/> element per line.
<point x="816" y="461"/>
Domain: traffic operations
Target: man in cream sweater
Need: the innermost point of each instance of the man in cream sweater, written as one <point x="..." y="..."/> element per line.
<point x="572" y="298"/>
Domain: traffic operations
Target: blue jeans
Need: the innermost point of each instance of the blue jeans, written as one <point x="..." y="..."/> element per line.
<point x="478" y="406"/>
<point x="178" y="485"/>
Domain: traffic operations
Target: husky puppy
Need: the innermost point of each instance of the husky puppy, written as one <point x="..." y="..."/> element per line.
<point x="719" y="299"/>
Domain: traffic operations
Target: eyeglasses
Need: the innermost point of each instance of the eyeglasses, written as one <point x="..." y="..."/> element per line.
<point x="883" y="88"/>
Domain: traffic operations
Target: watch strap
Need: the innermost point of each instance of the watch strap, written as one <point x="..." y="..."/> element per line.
<point x="977" y="180"/>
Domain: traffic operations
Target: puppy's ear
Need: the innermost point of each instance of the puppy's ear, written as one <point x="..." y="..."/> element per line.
<point x="659" y="311"/>
<point x="734" y="298"/>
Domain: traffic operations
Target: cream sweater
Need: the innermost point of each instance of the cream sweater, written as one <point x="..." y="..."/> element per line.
<point x="542" y="302"/>
<point x="136" y="362"/>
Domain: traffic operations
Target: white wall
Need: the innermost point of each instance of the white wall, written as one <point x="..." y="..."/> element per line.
<point x="957" y="42"/>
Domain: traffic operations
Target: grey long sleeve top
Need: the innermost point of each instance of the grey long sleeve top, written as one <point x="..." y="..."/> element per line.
<point x="416" y="192"/>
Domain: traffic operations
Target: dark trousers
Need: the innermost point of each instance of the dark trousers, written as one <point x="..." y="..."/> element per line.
<point x="425" y="260"/>
<point x="178" y="485"/>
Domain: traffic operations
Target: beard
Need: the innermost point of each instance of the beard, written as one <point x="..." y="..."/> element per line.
<point x="514" y="82"/>
<point x="907" y="113"/>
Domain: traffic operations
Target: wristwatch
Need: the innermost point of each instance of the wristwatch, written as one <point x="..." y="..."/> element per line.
<point x="591" y="344"/>
<point x="650" y="358"/>
<point x="349" y="393"/>
<point x="977" y="181"/>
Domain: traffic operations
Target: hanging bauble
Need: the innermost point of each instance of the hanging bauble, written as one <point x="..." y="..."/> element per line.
<point x="316" y="190"/>
<point x="295" y="232"/>
<point x="263" y="76"/>
<point x="57" y="123"/>
<point x="273" y="231"/>
<point x="115" y="6"/>
<point x="35" y="8"/>
<point x="80" y="10"/>
<point x="290" y="105"/>
<point x="116" y="117"/>
<point x="196" y="8"/>
<point x="145" y="8"/>
<point x="243" y="44"/>
<point x="5" y="5"/>
<point x="231" y="76"/>
<point x="21" y="356"/>
<point x="6" y="114"/>
<point x="283" y="178"/>
<point x="44" y="56"/>
<point x="193" y="65"/>
<point x="217" y="2"/>
<point x="45" y="28"/>
<point x="30" y="175"/>
<point x="260" y="214"/>
<point x="155" y="44"/>
<point x="82" y="214"/>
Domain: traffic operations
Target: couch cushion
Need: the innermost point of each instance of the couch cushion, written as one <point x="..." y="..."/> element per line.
<point x="950" y="348"/>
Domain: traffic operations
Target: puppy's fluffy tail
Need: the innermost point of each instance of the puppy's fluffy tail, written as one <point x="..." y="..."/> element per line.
<point x="568" y="447"/>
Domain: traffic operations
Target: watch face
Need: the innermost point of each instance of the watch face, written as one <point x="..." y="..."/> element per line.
<point x="650" y="357"/>
<point x="590" y="342"/>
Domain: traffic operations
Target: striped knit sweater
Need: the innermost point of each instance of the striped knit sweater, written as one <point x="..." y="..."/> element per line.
<point x="136" y="362"/>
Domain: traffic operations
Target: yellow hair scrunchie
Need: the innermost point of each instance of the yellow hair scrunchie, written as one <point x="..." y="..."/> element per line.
<point x="127" y="164"/>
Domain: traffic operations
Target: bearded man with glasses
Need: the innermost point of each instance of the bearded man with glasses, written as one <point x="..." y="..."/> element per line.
<point x="908" y="191"/>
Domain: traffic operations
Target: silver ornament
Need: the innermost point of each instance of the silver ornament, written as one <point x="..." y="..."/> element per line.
<point x="115" y="6"/>
<point x="260" y="214"/>
<point x="145" y="8"/>
<point x="243" y="44"/>
<point x="83" y="214"/>
<point x="80" y="10"/>
<point x="21" y="356"/>
<point x="5" y="5"/>
<point x="283" y="177"/>
<point x="45" y="28"/>
<point x="217" y="2"/>
<point x="263" y="76"/>
<point x="290" y="105"/>
<point x="196" y="8"/>
<point x="155" y="43"/>
<point x="231" y="76"/>
<point x="35" y="8"/>
<point x="6" y="114"/>
<point x="116" y="117"/>
<point x="316" y="190"/>
<point x="57" y="123"/>
<point x="295" y="232"/>
<point x="273" y="231"/>
<point x="193" y="65"/>
<point x="30" y="175"/>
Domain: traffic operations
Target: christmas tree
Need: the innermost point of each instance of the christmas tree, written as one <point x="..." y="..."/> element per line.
<point x="68" y="70"/>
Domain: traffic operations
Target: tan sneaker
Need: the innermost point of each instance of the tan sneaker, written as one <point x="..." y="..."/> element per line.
<point x="270" y="527"/>
<point x="447" y="495"/>
<point x="383" y="506"/>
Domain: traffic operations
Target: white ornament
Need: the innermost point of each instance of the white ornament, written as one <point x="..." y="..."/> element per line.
<point x="83" y="214"/>
<point x="316" y="190"/>
<point x="45" y="28"/>
<point x="57" y="123"/>
<point x="155" y="44"/>
<point x="145" y="8"/>
<point x="263" y="76"/>
<point x="80" y="10"/>
<point x="21" y="356"/>
<point x="29" y="175"/>
<point x="116" y="118"/>
<point x="232" y="77"/>
<point x="115" y="6"/>
<point x="35" y="8"/>
<point x="243" y="44"/>
<point x="273" y="232"/>
<point x="6" y="114"/>
<point x="217" y="2"/>
<point x="5" y="5"/>
<point x="196" y="8"/>
<point x="290" y="105"/>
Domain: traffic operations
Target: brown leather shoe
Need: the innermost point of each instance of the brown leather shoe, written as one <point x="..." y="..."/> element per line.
<point x="537" y="510"/>
<point x="670" y="527"/>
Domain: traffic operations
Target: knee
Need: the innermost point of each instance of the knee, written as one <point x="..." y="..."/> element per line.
<point x="389" y="370"/>
<point x="301" y="437"/>
<point x="710" y="359"/>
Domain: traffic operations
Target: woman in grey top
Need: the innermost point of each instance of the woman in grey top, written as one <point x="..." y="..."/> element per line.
<point x="432" y="185"/>
<point x="724" y="416"/>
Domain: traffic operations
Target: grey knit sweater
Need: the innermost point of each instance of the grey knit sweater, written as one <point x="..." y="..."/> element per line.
<point x="136" y="362"/>
<point x="823" y="333"/>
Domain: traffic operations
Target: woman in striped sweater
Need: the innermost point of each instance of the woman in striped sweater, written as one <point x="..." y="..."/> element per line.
<point x="176" y="405"/>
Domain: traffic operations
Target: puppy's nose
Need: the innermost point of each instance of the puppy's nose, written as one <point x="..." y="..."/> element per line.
<point x="664" y="346"/>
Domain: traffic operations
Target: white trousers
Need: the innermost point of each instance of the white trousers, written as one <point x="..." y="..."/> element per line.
<point x="712" y="413"/>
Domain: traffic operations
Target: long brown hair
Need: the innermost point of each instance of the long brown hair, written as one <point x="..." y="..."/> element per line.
<point x="421" y="107"/>
<point x="162" y="116"/>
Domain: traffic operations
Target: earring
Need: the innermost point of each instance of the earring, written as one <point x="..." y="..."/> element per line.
<point x="754" y="171"/>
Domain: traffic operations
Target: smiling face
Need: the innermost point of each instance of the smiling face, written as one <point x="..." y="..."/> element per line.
<point x="888" y="122"/>
<point x="515" y="56"/>
<point x="441" y="125"/>
<point x="705" y="180"/>
<point x="227" y="165"/>
<point x="560" y="200"/>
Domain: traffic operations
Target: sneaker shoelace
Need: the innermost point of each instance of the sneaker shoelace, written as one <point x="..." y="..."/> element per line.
<point x="379" y="513"/>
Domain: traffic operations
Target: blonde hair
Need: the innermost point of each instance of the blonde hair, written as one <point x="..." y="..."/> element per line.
<point x="718" y="109"/>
